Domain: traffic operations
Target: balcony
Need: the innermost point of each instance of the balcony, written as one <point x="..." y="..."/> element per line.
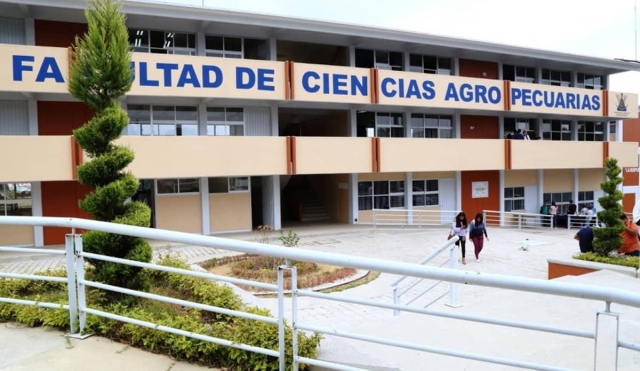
<point x="334" y="155"/>
<point x="32" y="158"/>
<point x="535" y="154"/>
<point x="414" y="154"/>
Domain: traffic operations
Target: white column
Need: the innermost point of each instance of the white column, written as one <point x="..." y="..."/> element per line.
<point x="540" y="187"/>
<point x="273" y="49"/>
<point x="576" y="184"/>
<point x="456" y="125"/>
<point x="405" y="61"/>
<point x="36" y="189"/>
<point x="607" y="131"/>
<point x="200" y="44"/>
<point x="30" y="31"/>
<point x="353" y="178"/>
<point x="36" y="200"/>
<point x="271" y="193"/>
<point x="277" y="216"/>
<point x="501" y="209"/>
<point x="539" y="128"/>
<point x="538" y="74"/>
<point x="501" y="127"/>
<point x="204" y="198"/>
<point x="458" y="180"/>
<point x="202" y="119"/>
<point x="619" y="130"/>
<point x="352" y="55"/>
<point x="353" y="199"/>
<point x="456" y="66"/>
<point x="500" y="71"/>
<point x="275" y="127"/>
<point x="408" y="196"/>
<point x="574" y="130"/>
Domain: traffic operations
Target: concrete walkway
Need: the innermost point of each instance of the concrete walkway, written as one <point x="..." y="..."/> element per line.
<point x="503" y="254"/>
<point x="28" y="349"/>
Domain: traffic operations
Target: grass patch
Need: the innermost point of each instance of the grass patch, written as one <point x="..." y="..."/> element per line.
<point x="622" y="260"/>
<point x="198" y="290"/>
<point x="369" y="277"/>
<point x="264" y="269"/>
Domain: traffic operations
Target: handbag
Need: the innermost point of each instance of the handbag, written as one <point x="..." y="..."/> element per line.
<point x="450" y="236"/>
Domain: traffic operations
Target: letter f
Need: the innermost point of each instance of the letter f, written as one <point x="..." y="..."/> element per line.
<point x="19" y="67"/>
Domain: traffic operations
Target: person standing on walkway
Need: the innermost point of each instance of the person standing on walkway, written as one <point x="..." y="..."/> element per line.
<point x="629" y="238"/>
<point x="553" y="210"/>
<point x="459" y="228"/>
<point x="477" y="233"/>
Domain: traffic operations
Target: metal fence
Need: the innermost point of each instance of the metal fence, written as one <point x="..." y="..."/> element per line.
<point x="411" y="219"/>
<point x="77" y="286"/>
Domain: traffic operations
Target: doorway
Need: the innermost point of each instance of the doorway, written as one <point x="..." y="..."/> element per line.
<point x="145" y="194"/>
<point x="257" y="217"/>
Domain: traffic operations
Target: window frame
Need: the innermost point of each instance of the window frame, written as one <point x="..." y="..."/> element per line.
<point x="439" y="127"/>
<point x="549" y="80"/>
<point x="422" y="69"/>
<point x="170" y="50"/>
<point x="551" y="132"/>
<point x="563" y="204"/>
<point x="590" y="86"/>
<point x="5" y="202"/>
<point x="229" y="191"/>
<point x="521" y="78"/>
<point x="584" y="201"/>
<point x="178" y="182"/>
<point x="372" y="195"/>
<point x="215" y="53"/>
<point x="514" y="199"/>
<point x="155" y="124"/>
<point x="583" y="134"/>
<point x="228" y="124"/>
<point x="425" y="192"/>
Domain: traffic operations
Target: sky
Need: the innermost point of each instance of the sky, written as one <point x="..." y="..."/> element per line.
<point x="588" y="27"/>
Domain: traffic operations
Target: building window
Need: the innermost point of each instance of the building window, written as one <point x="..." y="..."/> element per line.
<point x="178" y="186"/>
<point x="586" y="199"/>
<point x="513" y="199"/>
<point x="519" y="73"/>
<point x="15" y="199"/>
<point x="224" y="47"/>
<point x="425" y="193"/>
<point x="380" y="124"/>
<point x="512" y="125"/>
<point x="229" y="184"/>
<point x="556" y="130"/>
<point x="380" y="195"/>
<point x="431" y="126"/>
<point x="556" y="78"/>
<point x="225" y="121"/>
<point x="162" y="42"/>
<point x="383" y="60"/>
<point x="430" y="64"/>
<point x="561" y="199"/>
<point x="589" y="81"/>
<point x="162" y="120"/>
<point x="589" y="131"/>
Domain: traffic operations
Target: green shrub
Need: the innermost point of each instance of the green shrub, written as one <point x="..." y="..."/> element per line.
<point x="623" y="260"/>
<point x="608" y="239"/>
<point x="200" y="290"/>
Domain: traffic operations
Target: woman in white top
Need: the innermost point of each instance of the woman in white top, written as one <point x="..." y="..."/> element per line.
<point x="459" y="228"/>
<point x="553" y="210"/>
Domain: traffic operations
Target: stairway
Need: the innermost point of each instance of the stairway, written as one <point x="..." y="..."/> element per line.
<point x="311" y="207"/>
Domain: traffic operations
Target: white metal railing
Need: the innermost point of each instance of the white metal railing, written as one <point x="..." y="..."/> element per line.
<point x="453" y="290"/>
<point x="403" y="218"/>
<point x="516" y="219"/>
<point x="78" y="307"/>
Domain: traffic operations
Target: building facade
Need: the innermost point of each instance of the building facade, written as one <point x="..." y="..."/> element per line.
<point x="239" y="120"/>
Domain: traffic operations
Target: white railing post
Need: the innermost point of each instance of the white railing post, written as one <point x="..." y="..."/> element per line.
<point x="281" y="332"/>
<point x="71" y="284"/>
<point x="606" y="346"/>
<point x="294" y="316"/>
<point x="568" y="221"/>
<point x="375" y="216"/>
<point x="82" y="290"/>
<point x="519" y="221"/>
<point x="550" y="221"/>
<point x="396" y="300"/>
<point x="453" y="287"/>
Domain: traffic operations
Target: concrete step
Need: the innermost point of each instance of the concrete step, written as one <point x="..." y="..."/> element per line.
<point x="321" y="218"/>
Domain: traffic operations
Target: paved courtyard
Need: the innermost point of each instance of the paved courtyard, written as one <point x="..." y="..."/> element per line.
<point x="503" y="254"/>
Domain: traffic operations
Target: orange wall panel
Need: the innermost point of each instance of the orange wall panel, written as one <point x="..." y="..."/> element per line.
<point x="479" y="127"/>
<point x="61" y="118"/>
<point x="470" y="205"/>
<point x="628" y="201"/>
<point x="57" y="34"/>
<point x="630" y="176"/>
<point x="61" y="199"/>
<point x="479" y="69"/>
<point x="631" y="130"/>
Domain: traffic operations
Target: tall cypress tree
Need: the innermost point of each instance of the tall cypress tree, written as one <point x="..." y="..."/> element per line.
<point x="99" y="75"/>
<point x="608" y="239"/>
